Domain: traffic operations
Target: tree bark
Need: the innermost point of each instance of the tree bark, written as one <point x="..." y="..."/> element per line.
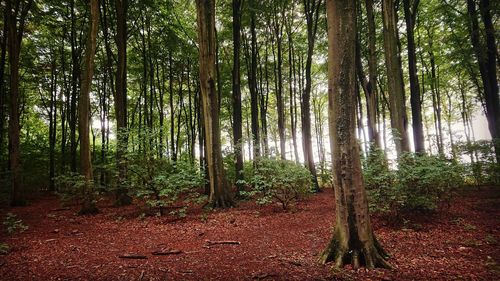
<point x="254" y="103"/>
<point x="397" y="104"/>
<point x="487" y="61"/>
<point x="121" y="7"/>
<point x="410" y="11"/>
<point x="237" y="119"/>
<point x="353" y="239"/>
<point x="88" y="206"/>
<point x="220" y="194"/>
<point x="311" y="11"/>
<point x="15" y="35"/>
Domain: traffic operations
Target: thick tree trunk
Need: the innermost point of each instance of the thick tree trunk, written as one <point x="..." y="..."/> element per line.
<point x="15" y="35"/>
<point x="88" y="206"/>
<point x="237" y="119"/>
<point x="487" y="66"/>
<point x="121" y="7"/>
<point x="220" y="194"/>
<point x="3" y="92"/>
<point x="353" y="239"/>
<point x="397" y="104"/>
<point x="410" y="11"/>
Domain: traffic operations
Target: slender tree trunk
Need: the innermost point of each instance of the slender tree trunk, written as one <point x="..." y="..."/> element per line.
<point x="237" y="119"/>
<point x="371" y="86"/>
<point x="311" y="10"/>
<point x="220" y="194"/>
<point x="353" y="238"/>
<point x="88" y="206"/>
<point x="121" y="7"/>
<point x="254" y="104"/>
<point x="278" y="33"/>
<point x="410" y="11"/>
<point x="75" y="75"/>
<point x="52" y="124"/>
<point x="397" y="105"/>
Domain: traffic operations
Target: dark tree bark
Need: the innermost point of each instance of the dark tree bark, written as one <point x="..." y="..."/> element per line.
<point x="353" y="239"/>
<point x="52" y="123"/>
<point x="220" y="194"/>
<point x="252" y="84"/>
<point x="410" y="11"/>
<point x="75" y="76"/>
<point x="487" y="60"/>
<point x="3" y="92"/>
<point x="311" y="11"/>
<point x="237" y="119"/>
<point x="397" y="105"/>
<point x="121" y="7"/>
<point x="371" y="85"/>
<point x="16" y="19"/>
<point x="88" y="206"/>
<point x="278" y="36"/>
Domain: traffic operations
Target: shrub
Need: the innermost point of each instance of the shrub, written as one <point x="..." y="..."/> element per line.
<point x="70" y="187"/>
<point x="280" y="181"/>
<point x="380" y="182"/>
<point x="419" y="183"/>
<point x="13" y="224"/>
<point x="161" y="182"/>
<point x="480" y="167"/>
<point x="424" y="181"/>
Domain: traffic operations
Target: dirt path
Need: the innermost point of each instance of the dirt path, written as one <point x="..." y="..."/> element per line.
<point x="461" y="243"/>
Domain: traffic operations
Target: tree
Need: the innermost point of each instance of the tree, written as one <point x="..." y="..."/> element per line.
<point x="353" y="238"/>
<point x="88" y="206"/>
<point x="220" y="195"/>
<point x="237" y="119"/>
<point x="410" y="11"/>
<point x="311" y="11"/>
<point x="487" y="61"/>
<point x="397" y="105"/>
<point x="121" y="7"/>
<point x="16" y="19"/>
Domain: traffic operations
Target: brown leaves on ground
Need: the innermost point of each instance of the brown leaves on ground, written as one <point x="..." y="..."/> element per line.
<point x="251" y="243"/>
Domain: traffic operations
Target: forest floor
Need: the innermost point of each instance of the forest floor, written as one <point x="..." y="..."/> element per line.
<point x="461" y="242"/>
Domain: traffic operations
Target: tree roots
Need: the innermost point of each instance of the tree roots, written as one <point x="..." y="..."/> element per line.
<point x="369" y="257"/>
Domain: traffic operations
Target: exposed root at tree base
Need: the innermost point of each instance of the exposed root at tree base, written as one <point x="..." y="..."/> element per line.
<point x="369" y="257"/>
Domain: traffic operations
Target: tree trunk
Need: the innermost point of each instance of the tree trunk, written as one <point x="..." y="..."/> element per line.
<point x="3" y="92"/>
<point x="88" y="206"/>
<point x="75" y="74"/>
<point x="353" y="239"/>
<point x="220" y="194"/>
<point x="397" y="105"/>
<point x="371" y="86"/>
<point x="15" y="36"/>
<point x="237" y="119"/>
<point x="311" y="11"/>
<point x="410" y="11"/>
<point x="254" y="104"/>
<point x="486" y="58"/>
<point x="121" y="7"/>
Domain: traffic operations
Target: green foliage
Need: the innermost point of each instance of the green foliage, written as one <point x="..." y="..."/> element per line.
<point x="70" y="187"/>
<point x="13" y="224"/>
<point x="419" y="183"/>
<point x="380" y="181"/>
<point x="280" y="181"/>
<point x="481" y="168"/>
<point x="160" y="182"/>
<point x="4" y="248"/>
<point x="424" y="181"/>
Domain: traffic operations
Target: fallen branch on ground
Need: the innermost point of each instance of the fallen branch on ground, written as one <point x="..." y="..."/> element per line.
<point x="132" y="256"/>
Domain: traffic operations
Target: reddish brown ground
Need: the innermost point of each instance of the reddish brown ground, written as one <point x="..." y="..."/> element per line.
<point x="460" y="243"/>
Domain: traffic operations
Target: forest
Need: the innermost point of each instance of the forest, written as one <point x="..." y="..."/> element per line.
<point x="249" y="140"/>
